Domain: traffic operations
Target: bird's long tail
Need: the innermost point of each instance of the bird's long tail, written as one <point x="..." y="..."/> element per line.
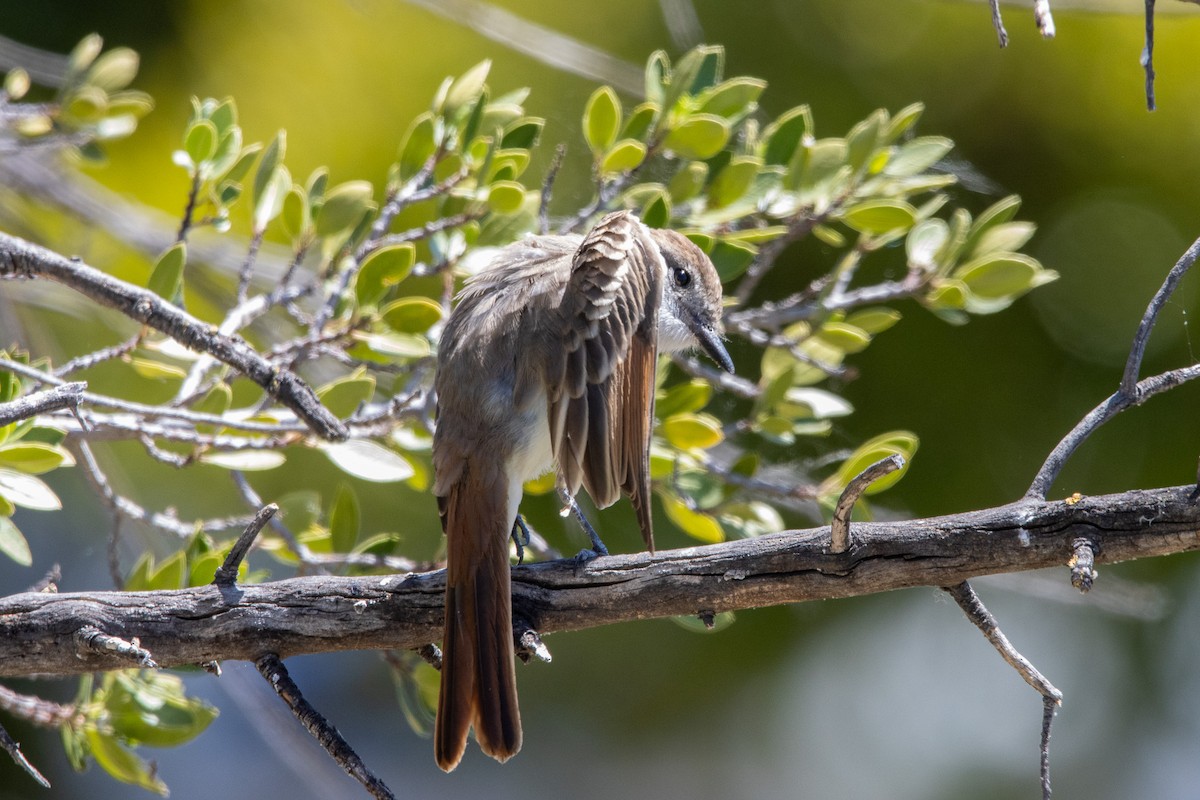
<point x="479" y="682"/>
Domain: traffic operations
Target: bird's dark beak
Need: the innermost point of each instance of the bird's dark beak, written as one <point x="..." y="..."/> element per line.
<point x="712" y="345"/>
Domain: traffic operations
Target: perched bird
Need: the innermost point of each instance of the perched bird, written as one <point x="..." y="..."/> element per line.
<point x="547" y="360"/>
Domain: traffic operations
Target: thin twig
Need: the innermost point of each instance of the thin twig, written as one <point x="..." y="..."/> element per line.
<point x="973" y="607"/>
<point x="560" y="153"/>
<point x="1133" y="365"/>
<point x="272" y="668"/>
<point x="998" y="23"/>
<point x="1148" y="56"/>
<point x="36" y="710"/>
<point x="226" y="574"/>
<point x="22" y="259"/>
<point x="68" y="395"/>
<point x="122" y="505"/>
<point x="246" y="271"/>
<point x="98" y="356"/>
<point x="189" y="210"/>
<point x="97" y="641"/>
<point x="839" y="529"/>
<point x="11" y="746"/>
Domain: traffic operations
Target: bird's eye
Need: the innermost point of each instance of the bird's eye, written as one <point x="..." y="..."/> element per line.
<point x="682" y="277"/>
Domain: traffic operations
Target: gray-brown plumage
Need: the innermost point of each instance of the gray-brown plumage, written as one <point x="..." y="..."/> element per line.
<point x="547" y="360"/>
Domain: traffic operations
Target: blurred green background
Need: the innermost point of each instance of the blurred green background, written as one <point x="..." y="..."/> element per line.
<point x="891" y="696"/>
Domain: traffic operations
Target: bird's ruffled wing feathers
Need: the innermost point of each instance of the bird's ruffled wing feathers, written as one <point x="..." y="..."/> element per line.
<point x="601" y="386"/>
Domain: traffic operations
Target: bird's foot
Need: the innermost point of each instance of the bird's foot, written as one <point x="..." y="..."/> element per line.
<point x="520" y="537"/>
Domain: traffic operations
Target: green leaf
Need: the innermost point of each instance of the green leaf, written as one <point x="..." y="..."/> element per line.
<point x="999" y="276"/>
<point x="843" y="337"/>
<point x="902" y="121"/>
<point x="344" y="395"/>
<point x="381" y="270"/>
<point x="1009" y="236"/>
<point x="874" y="320"/>
<point x="411" y="314"/>
<point x="155" y="370"/>
<point x="657" y="211"/>
<point x="419" y="145"/>
<point x="13" y="543"/>
<point x="862" y="140"/>
<point x="700" y="68"/>
<point x="687" y="182"/>
<point x="16" y="83"/>
<point x="122" y="763"/>
<point x="466" y="88"/>
<point x="693" y="523"/>
<point x="880" y="216"/>
<point x="701" y="137"/>
<point x="523" y="133"/>
<point x="640" y="121"/>
<point x="344" y="207"/>
<point x="624" y="156"/>
<point x="153" y="708"/>
<point x="916" y="156"/>
<point x="506" y="197"/>
<point x="751" y="519"/>
<point x="684" y="398"/>
<point x="658" y="70"/>
<point x="692" y="431"/>
<point x="731" y="258"/>
<point x="200" y="141"/>
<point x="245" y="460"/>
<point x="27" y="491"/>
<point x="783" y="136"/>
<point x="601" y="120"/>
<point x="169" y="574"/>
<point x="998" y="213"/>
<point x="270" y="201"/>
<point x="925" y="241"/>
<point x="166" y="279"/>
<point x="272" y="157"/>
<point x="734" y="98"/>
<point x="949" y="294"/>
<point x="344" y="519"/>
<point x="902" y="443"/>
<point x="733" y="181"/>
<point x="34" y="458"/>
<point x="114" y="70"/>
<point x="368" y="461"/>
<point x="296" y="217"/>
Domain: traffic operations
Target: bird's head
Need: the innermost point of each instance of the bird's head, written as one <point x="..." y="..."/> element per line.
<point x="691" y="301"/>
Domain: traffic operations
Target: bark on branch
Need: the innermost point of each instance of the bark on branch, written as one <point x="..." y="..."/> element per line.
<point x="322" y="614"/>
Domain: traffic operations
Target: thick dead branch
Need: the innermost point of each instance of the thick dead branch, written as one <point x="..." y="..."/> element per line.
<point x="322" y="613"/>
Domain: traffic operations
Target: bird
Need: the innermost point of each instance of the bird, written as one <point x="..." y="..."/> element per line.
<point x="547" y="361"/>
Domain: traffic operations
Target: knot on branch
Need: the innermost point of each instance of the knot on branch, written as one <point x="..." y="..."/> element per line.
<point x="92" y="640"/>
<point x="1083" y="563"/>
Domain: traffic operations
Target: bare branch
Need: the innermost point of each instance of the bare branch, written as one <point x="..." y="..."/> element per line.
<point x="276" y="673"/>
<point x="1133" y="365"/>
<point x="13" y="748"/>
<point x="1148" y="56"/>
<point x="22" y="259"/>
<point x="325" y="613"/>
<point x="839" y="529"/>
<point x="227" y="573"/>
<point x="1099" y="415"/>
<point x="67" y="395"/>
<point x="973" y="607"/>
